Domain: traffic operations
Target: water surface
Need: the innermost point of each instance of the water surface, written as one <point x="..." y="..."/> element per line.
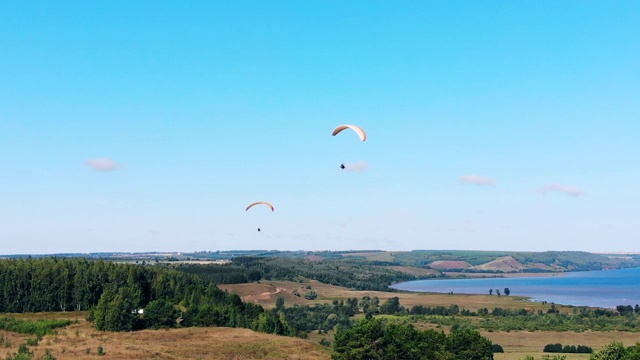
<point x="605" y="288"/>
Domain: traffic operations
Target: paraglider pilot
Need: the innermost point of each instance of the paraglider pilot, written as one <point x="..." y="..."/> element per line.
<point x="342" y="166"/>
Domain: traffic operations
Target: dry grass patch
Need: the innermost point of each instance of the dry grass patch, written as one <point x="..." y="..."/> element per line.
<point x="81" y="341"/>
<point x="375" y="255"/>
<point x="449" y="264"/>
<point x="518" y="344"/>
<point x="415" y="271"/>
<point x="266" y="292"/>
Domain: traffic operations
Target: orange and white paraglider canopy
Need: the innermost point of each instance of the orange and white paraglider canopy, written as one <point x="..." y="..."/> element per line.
<point x="361" y="133"/>
<point x="260" y="203"/>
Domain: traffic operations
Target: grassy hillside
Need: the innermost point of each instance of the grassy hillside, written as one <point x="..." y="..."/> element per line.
<point x="81" y="341"/>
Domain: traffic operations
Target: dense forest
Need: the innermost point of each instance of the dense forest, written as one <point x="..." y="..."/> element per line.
<point x="350" y="273"/>
<point x="115" y="293"/>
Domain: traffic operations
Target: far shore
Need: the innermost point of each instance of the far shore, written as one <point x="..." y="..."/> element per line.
<point x="462" y="275"/>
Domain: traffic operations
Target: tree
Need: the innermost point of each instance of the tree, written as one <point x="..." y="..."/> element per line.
<point x="612" y="351"/>
<point x="116" y="310"/>
<point x="490" y="291"/>
<point x="359" y="342"/>
<point x="391" y="306"/>
<point x="498" y="292"/>
<point x="583" y="349"/>
<point x="373" y="339"/>
<point x="553" y="348"/>
<point x="624" y="309"/>
<point x="507" y="291"/>
<point x="160" y="314"/>
<point x="279" y="303"/>
<point x="470" y="345"/>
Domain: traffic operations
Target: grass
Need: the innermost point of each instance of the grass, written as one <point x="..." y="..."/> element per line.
<point x="37" y="327"/>
<point x="416" y="271"/>
<point x="517" y="344"/>
<point x="265" y="294"/>
<point x="81" y="341"/>
<point x="375" y="255"/>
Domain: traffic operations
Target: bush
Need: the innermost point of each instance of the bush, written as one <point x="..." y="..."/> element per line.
<point x="37" y="327"/>
<point x="325" y="342"/>
<point x="582" y="349"/>
<point x="375" y="339"/>
<point x="567" y="349"/>
<point x="48" y="356"/>
<point x="553" y="348"/>
<point x="497" y="348"/>
<point x="310" y="295"/>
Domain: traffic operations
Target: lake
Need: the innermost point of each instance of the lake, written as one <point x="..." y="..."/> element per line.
<point x="605" y="288"/>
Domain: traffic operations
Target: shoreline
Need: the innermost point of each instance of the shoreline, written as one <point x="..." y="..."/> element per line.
<point x="461" y="275"/>
<point x="570" y="288"/>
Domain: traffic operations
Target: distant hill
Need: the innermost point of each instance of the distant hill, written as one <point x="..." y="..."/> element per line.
<point x="508" y="262"/>
<point x="434" y="262"/>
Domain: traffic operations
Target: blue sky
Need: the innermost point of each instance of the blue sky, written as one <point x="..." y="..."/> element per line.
<point x="150" y="126"/>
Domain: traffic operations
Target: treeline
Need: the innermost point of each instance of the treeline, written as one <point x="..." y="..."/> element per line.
<point x="560" y="260"/>
<point x="124" y="297"/>
<point x="222" y="273"/>
<point x="351" y="273"/>
<point x="322" y="317"/>
<point x="500" y="319"/>
<point x="376" y="340"/>
<point x="568" y="349"/>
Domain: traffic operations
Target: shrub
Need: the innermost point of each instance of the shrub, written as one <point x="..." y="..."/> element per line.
<point x="553" y="348"/>
<point x="325" y="342"/>
<point x="497" y="348"/>
<point x="48" y="356"/>
<point x="37" y="327"/>
<point x="582" y="349"/>
<point x="310" y="295"/>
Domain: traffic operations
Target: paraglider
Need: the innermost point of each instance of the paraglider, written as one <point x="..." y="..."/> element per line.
<point x="260" y="203"/>
<point x="360" y="131"/>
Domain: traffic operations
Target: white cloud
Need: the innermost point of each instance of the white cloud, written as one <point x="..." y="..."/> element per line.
<point x="103" y="165"/>
<point x="358" y="166"/>
<point x="478" y="180"/>
<point x="568" y="190"/>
